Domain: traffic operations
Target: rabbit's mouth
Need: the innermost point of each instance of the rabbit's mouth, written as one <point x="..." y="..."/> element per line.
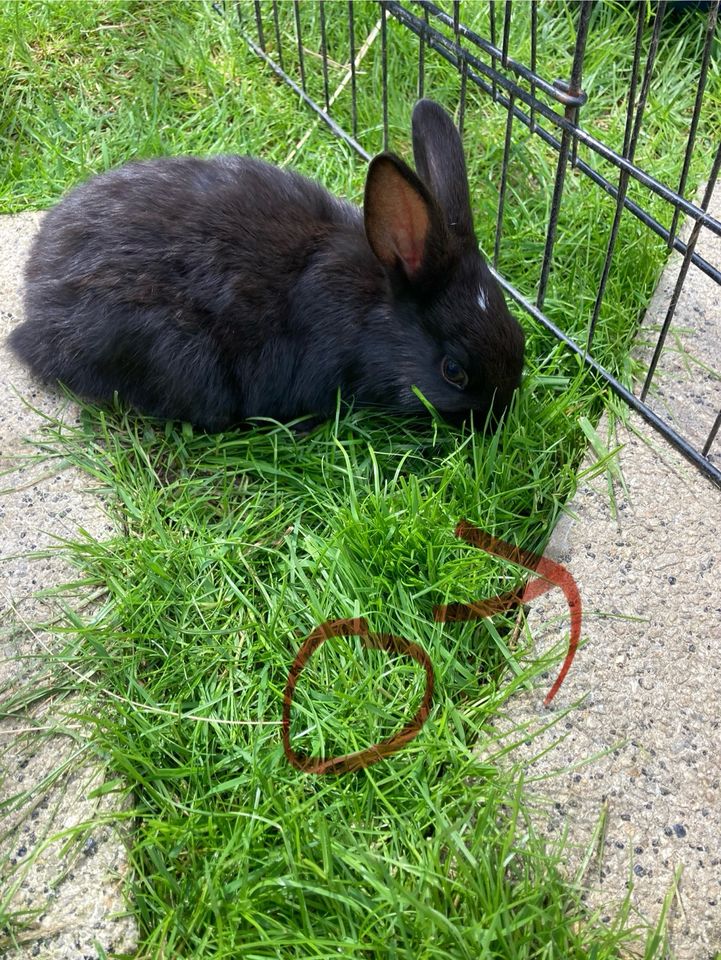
<point x="489" y="412"/>
<point x="461" y="418"/>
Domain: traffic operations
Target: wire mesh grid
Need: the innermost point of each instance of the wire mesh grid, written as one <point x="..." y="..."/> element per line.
<point x="353" y="64"/>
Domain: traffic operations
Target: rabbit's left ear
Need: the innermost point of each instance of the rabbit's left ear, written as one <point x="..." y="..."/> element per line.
<point x="403" y="222"/>
<point x="438" y="153"/>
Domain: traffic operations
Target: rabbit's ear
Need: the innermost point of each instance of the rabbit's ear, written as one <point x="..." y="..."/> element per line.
<point x="403" y="223"/>
<point x="438" y="153"/>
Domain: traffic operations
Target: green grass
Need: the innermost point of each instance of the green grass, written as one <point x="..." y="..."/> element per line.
<point x="230" y="549"/>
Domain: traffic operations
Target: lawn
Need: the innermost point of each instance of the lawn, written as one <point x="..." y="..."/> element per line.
<point x="229" y="549"/>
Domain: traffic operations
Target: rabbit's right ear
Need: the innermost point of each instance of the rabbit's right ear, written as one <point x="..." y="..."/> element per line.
<point x="438" y="153"/>
<point x="403" y="223"/>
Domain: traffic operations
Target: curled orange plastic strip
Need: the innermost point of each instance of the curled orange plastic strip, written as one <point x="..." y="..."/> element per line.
<point x="551" y="574"/>
<point x="379" y="641"/>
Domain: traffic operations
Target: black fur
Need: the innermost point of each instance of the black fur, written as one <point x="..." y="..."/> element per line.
<point x="220" y="289"/>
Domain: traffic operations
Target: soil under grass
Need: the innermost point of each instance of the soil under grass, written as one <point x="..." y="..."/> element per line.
<point x="231" y="548"/>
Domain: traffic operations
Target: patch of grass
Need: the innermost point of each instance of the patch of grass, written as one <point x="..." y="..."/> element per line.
<point x="231" y="548"/>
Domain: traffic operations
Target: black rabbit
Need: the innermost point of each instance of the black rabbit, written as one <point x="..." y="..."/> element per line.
<point x="213" y="290"/>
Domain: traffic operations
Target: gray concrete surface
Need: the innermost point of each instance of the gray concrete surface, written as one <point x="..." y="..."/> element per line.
<point x="686" y="389"/>
<point x="75" y="890"/>
<point x="649" y="671"/>
<point x="649" y="674"/>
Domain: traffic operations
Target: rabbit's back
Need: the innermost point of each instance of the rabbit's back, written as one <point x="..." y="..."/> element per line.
<point x="147" y="280"/>
<point x="183" y="231"/>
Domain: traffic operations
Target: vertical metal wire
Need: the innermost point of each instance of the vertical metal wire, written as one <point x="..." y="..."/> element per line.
<point x="301" y="61"/>
<point x="422" y="55"/>
<point x="629" y="145"/>
<point x="462" y="99"/>
<point x="506" y="142"/>
<point x="574" y="88"/>
<point x="278" y="41"/>
<point x="492" y="31"/>
<point x="506" y="30"/>
<point x="259" y="26"/>
<point x="632" y="111"/>
<point x="534" y="32"/>
<point x="239" y="10"/>
<point x="713" y="176"/>
<point x="710" y="39"/>
<point x="324" y="56"/>
<point x="712" y="435"/>
<point x="648" y="73"/>
<point x="464" y="68"/>
<point x="384" y="74"/>
<point x="504" y="177"/>
<point x="353" y="88"/>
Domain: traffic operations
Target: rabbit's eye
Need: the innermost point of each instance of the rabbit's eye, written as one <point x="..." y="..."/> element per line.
<point x="454" y="373"/>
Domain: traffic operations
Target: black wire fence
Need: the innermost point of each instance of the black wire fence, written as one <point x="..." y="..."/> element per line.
<point x="309" y="42"/>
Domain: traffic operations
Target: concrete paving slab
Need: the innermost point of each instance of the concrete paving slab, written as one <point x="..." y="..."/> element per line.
<point x="650" y="676"/>
<point x="686" y="388"/>
<point x="75" y="893"/>
<point x="650" y="576"/>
